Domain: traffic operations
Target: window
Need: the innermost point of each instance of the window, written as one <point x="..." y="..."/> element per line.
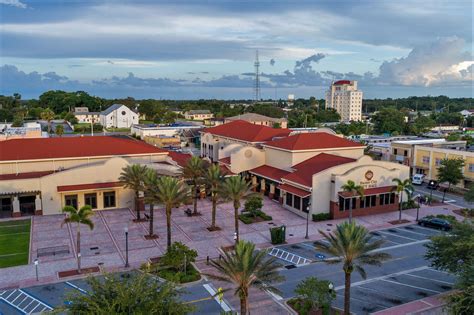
<point x="405" y="153"/>
<point x="341" y="203"/>
<point x="471" y="167"/>
<point x="347" y="204"/>
<point x="426" y="160"/>
<point x="437" y="162"/>
<point x="305" y="204"/>
<point x="395" y="151"/>
<point x="71" y="200"/>
<point x="91" y="200"/>
<point x="362" y="203"/>
<point x="392" y="198"/>
<point x="370" y="201"/>
<point x="109" y="199"/>
<point x="289" y="199"/>
<point x="297" y="202"/>
<point x="124" y="113"/>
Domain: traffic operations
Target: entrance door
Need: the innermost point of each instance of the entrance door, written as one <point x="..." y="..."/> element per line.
<point x="6" y="208"/>
<point x="276" y="196"/>
<point x="27" y="205"/>
<point x="71" y="200"/>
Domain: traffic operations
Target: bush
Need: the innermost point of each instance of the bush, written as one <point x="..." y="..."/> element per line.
<point x="321" y="217"/>
<point x="410" y="204"/>
<point x="176" y="255"/>
<point x="315" y="294"/>
<point x="179" y="276"/>
<point x="253" y="205"/>
<point x="246" y="218"/>
<point x="467" y="212"/>
<point x="249" y="218"/>
<point x="449" y="218"/>
<point x="86" y="128"/>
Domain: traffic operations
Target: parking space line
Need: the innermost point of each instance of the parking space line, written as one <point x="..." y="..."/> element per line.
<point x="431" y="279"/>
<point x="411" y="286"/>
<point x="399" y="245"/>
<point x="428" y="229"/>
<point x="396" y="235"/>
<point x="410" y="231"/>
<point x="76" y="287"/>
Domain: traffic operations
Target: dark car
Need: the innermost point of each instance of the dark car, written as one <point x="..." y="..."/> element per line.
<point x="435" y="223"/>
<point x="432" y="184"/>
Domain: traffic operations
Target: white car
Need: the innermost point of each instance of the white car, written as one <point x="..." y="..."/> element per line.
<point x="417" y="179"/>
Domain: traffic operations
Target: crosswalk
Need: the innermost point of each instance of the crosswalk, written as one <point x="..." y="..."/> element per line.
<point x="289" y="257"/>
<point x="23" y="302"/>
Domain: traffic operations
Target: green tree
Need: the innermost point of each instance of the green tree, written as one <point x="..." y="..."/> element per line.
<point x="194" y="171"/>
<point x="17" y="121"/>
<point x="131" y="294"/>
<point x="178" y="256"/>
<point x="151" y="197"/>
<point x="235" y="189"/>
<point x="469" y="195"/>
<point x="423" y="124"/>
<point x="171" y="193"/>
<point x="81" y="216"/>
<point x="132" y="177"/>
<point x="353" y="188"/>
<point x="450" y="171"/>
<point x="352" y="245"/>
<point x="316" y="293"/>
<point x="59" y="130"/>
<point x="403" y="186"/>
<point x="47" y="115"/>
<point x="388" y="120"/>
<point x="245" y="268"/>
<point x="253" y="205"/>
<point x="214" y="179"/>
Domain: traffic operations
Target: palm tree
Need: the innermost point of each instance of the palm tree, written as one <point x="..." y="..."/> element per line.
<point x="59" y="130"/>
<point x="47" y="115"/>
<point x="403" y="186"/>
<point x="171" y="193"/>
<point x="352" y="188"/>
<point x="151" y="191"/>
<point x="214" y="179"/>
<point x="352" y="245"/>
<point x="83" y="216"/>
<point x="194" y="172"/>
<point x="132" y="177"/>
<point x="245" y="268"/>
<point x="234" y="189"/>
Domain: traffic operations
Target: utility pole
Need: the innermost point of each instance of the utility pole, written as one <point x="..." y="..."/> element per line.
<point x="257" y="77"/>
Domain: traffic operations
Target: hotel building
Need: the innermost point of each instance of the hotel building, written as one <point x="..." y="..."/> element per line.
<point x="344" y="97"/>
<point x="304" y="171"/>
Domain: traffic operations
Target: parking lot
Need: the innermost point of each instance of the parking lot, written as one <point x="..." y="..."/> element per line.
<point x="406" y="277"/>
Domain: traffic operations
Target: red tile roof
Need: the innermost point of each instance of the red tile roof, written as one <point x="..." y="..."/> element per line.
<point x="225" y="160"/>
<point x="305" y="170"/>
<point x="243" y="130"/>
<point x="25" y="175"/>
<point x="294" y="190"/>
<point x="225" y="170"/>
<point x="180" y="158"/>
<point x="69" y="147"/>
<point x="370" y="191"/>
<point x="312" y="141"/>
<point x="89" y="186"/>
<point x="342" y="82"/>
<point x="270" y="172"/>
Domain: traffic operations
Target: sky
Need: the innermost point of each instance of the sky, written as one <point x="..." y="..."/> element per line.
<point x="207" y="49"/>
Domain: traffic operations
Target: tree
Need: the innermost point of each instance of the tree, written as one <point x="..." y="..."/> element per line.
<point x="81" y="216"/>
<point x="352" y="188"/>
<point x="450" y="171"/>
<point x="246" y="267"/>
<point x="234" y="189"/>
<point x="178" y="256"/>
<point x="17" y="121"/>
<point x="253" y="205"/>
<point x="194" y="171"/>
<point x="423" y="124"/>
<point x="151" y="196"/>
<point x="127" y="294"/>
<point x="315" y="293"/>
<point x="171" y="193"/>
<point x="469" y="195"/>
<point x="388" y="120"/>
<point x="132" y="177"/>
<point x="403" y="186"/>
<point x="352" y="245"/>
<point x="59" y="130"/>
<point x="47" y="115"/>
<point x="214" y="179"/>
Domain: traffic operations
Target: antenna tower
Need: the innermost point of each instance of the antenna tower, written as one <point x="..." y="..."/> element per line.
<point x="257" y="77"/>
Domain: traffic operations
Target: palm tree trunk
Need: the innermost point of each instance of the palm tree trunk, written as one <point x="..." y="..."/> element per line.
<point x="168" y="225"/>
<point x="244" y="304"/>
<point x="236" y="220"/>
<point x="214" y="204"/>
<point x="78" y="248"/>
<point x="400" y="207"/>
<point x="347" y="294"/>
<point x="137" y="205"/>
<point x="195" y="211"/>
<point x="350" y="212"/>
<point x="151" y="220"/>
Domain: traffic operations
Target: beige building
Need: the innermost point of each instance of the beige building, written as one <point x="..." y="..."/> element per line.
<point x="304" y="171"/>
<point x="344" y="97"/>
<point x="41" y="176"/>
<point x="198" y="114"/>
<point x="258" y="119"/>
<point x="29" y="130"/>
<point x="83" y="115"/>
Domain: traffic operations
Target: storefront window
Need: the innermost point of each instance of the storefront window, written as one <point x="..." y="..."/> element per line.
<point x="91" y="200"/>
<point x="305" y="204"/>
<point x="341" y="203"/>
<point x="71" y="200"/>
<point x="392" y="198"/>
<point x="289" y="199"/>
<point x="297" y="202"/>
<point x="109" y="199"/>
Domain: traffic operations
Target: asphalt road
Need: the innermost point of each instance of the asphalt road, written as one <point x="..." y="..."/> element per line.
<point x="404" y="278"/>
<point x="453" y="199"/>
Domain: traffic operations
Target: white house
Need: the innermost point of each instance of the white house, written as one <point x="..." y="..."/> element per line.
<point x="467" y="112"/>
<point x="83" y="115"/>
<point x="118" y="116"/>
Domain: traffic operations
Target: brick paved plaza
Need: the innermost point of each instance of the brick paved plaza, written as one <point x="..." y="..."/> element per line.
<point x="105" y="245"/>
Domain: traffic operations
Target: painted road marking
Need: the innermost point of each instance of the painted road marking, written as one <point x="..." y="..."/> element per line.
<point x="411" y="286"/>
<point x="410" y="231"/>
<point x="22" y="296"/>
<point x="431" y="279"/>
<point x="395" y="234"/>
<point x="382" y="249"/>
<point x="213" y="293"/>
<point x="76" y="287"/>
<point x="289" y="257"/>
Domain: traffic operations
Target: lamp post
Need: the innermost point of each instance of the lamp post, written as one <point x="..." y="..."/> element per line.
<point x="330" y="286"/>
<point x="418" y="207"/>
<point x="307" y="219"/>
<point x="126" y="247"/>
<point x="36" y="268"/>
<point x="431" y="190"/>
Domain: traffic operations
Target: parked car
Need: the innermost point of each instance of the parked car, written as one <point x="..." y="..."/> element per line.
<point x="417" y="179"/>
<point x="432" y="184"/>
<point x="435" y="223"/>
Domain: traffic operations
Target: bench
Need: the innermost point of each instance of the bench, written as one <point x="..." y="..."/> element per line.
<point x="52" y="251"/>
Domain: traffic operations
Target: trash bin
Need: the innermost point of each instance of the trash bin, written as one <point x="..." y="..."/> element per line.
<point x="278" y="234"/>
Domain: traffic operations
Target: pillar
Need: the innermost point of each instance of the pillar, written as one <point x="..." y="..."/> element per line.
<point x="254" y="183"/>
<point x="262" y="186"/>
<point x="38" y="205"/>
<point x="272" y="191"/>
<point x="16" y="207"/>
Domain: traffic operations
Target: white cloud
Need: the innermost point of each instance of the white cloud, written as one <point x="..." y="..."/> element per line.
<point x="14" y="3"/>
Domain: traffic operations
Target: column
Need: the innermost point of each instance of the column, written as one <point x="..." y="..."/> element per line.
<point x="16" y="207"/>
<point x="254" y="183"/>
<point x="38" y="205"/>
<point x="262" y="186"/>
<point x="272" y="191"/>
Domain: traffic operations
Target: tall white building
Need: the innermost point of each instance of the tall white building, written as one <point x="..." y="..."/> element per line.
<point x="344" y="97"/>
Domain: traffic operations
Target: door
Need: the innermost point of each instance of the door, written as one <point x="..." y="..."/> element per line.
<point x="27" y="205"/>
<point x="71" y="200"/>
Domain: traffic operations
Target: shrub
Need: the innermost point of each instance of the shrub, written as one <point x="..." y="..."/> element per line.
<point x="86" y="128"/>
<point x="249" y="218"/>
<point x="176" y="255"/>
<point x="468" y="212"/>
<point x="410" y="204"/>
<point x="314" y="294"/>
<point x="253" y="205"/>
<point x="246" y="219"/>
<point x="449" y="218"/>
<point x="321" y="217"/>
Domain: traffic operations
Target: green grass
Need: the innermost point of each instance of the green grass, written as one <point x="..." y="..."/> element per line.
<point x="14" y="242"/>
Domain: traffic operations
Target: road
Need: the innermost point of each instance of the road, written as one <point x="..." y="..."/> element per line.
<point x="404" y="278"/>
<point x="453" y="199"/>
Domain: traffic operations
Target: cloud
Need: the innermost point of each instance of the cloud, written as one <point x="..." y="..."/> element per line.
<point x="14" y="3"/>
<point x="272" y="62"/>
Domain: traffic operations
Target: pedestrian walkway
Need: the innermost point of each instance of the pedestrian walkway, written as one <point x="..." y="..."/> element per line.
<point x="23" y="302"/>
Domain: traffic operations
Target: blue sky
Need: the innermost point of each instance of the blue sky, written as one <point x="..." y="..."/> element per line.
<point x="206" y="49"/>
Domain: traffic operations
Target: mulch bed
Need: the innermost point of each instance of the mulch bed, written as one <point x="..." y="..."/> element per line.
<point x="155" y="260"/>
<point x="152" y="237"/>
<point x="214" y="229"/>
<point x="395" y="222"/>
<point x="228" y="248"/>
<point x="74" y="272"/>
<point x="459" y="212"/>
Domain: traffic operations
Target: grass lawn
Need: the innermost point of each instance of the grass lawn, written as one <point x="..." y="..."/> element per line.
<point x="14" y="242"/>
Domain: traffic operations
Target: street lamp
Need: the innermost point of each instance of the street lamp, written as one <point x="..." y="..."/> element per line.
<point x="432" y="183"/>
<point x="126" y="247"/>
<point x="330" y="286"/>
<point x="418" y="207"/>
<point x="307" y="218"/>
<point x="235" y="237"/>
<point x="36" y="268"/>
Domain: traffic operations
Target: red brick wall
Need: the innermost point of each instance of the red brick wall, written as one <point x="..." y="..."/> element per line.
<point x="357" y="212"/>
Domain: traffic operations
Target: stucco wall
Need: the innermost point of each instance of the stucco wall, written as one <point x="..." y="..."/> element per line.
<point x="248" y="157"/>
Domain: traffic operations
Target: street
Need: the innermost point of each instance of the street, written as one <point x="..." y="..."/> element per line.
<point x="455" y="200"/>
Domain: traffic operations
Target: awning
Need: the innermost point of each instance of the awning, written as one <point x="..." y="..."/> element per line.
<point x="369" y="191"/>
<point x="269" y="172"/>
<point x="89" y="186"/>
<point x="296" y="191"/>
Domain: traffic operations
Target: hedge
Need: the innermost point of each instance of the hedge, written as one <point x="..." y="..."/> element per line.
<point x="321" y="217"/>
